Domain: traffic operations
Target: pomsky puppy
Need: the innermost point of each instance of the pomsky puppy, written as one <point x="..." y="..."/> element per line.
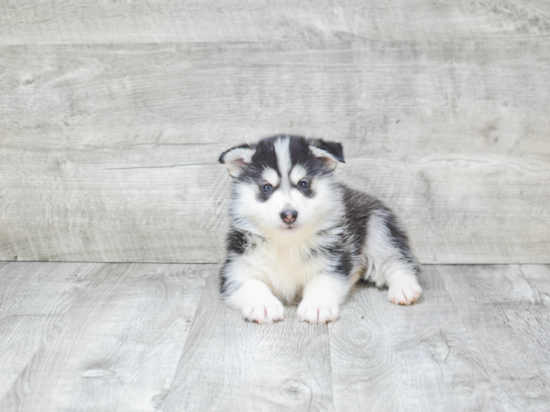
<point x="298" y="235"/>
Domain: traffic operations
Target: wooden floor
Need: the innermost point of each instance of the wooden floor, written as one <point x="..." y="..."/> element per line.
<point x="143" y="337"/>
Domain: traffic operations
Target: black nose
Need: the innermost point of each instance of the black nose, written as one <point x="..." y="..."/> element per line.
<point x="289" y="216"/>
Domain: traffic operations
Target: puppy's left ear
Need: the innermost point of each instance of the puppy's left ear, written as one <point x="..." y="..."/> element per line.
<point x="236" y="158"/>
<point x="330" y="152"/>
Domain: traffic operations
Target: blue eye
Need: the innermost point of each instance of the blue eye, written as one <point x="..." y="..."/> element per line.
<point x="267" y="188"/>
<point x="302" y="184"/>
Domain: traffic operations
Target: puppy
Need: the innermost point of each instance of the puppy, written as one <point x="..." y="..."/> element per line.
<point x="296" y="233"/>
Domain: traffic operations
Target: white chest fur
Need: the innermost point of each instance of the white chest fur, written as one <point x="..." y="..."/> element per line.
<point x="284" y="267"/>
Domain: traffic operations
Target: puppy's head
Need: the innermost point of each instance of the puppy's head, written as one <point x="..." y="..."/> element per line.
<point x="283" y="184"/>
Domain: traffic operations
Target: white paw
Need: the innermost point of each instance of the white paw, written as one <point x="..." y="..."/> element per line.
<point x="316" y="312"/>
<point x="404" y="293"/>
<point x="268" y="313"/>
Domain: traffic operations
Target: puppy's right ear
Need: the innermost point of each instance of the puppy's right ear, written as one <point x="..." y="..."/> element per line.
<point x="236" y="158"/>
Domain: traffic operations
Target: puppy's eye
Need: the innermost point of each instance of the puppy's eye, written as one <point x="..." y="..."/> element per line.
<point x="302" y="184"/>
<point x="267" y="188"/>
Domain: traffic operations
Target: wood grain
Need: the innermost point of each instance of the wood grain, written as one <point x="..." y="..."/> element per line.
<point x="384" y="99"/>
<point x="231" y="365"/>
<point x="28" y="22"/>
<point x="78" y="208"/>
<point x="147" y="337"/>
<point x="108" y="144"/>
<point x="509" y="320"/>
<point x="118" y="346"/>
<point x="419" y="358"/>
<point x="539" y="279"/>
<point x="91" y="205"/>
<point x="33" y="297"/>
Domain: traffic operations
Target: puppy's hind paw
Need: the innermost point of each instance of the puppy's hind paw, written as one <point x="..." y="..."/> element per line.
<point x="404" y="294"/>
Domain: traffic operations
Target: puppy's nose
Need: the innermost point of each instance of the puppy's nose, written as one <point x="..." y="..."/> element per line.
<point x="289" y="216"/>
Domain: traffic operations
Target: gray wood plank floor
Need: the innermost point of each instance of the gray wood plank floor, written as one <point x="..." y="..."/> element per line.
<point x="145" y="337"/>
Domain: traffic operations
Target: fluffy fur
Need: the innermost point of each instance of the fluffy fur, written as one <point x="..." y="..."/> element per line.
<point x="298" y="235"/>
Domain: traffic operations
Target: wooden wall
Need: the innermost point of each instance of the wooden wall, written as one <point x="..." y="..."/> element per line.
<point x="113" y="114"/>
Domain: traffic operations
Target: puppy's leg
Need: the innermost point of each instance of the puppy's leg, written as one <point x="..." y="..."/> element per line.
<point x="390" y="261"/>
<point x="256" y="302"/>
<point x="322" y="298"/>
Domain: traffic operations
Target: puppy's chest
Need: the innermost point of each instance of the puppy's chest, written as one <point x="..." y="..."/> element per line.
<point x="286" y="268"/>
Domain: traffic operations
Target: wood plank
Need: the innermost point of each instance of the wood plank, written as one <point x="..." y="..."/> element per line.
<point x="33" y="297"/>
<point x="85" y="206"/>
<point x="28" y="22"/>
<point x="422" y="358"/>
<point x="511" y="326"/>
<point x="231" y="365"/>
<point x="117" y="347"/>
<point x="92" y="212"/>
<point x="379" y="98"/>
<point x="485" y="210"/>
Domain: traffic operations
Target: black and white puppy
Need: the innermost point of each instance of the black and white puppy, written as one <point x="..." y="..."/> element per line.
<point x="296" y="233"/>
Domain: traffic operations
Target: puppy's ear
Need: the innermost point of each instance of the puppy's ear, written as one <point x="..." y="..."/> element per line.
<point x="236" y="158"/>
<point x="330" y="152"/>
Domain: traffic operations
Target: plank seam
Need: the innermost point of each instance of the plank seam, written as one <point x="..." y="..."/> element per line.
<point x="475" y="339"/>
<point x="184" y="346"/>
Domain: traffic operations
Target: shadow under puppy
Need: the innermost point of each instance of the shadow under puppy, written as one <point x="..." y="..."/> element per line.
<point x="296" y="233"/>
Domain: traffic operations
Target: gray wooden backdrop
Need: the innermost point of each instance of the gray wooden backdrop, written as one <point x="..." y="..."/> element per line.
<point x="112" y="116"/>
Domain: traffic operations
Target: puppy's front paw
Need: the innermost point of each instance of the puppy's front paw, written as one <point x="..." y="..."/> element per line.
<point x="404" y="293"/>
<point x="317" y="312"/>
<point x="270" y="312"/>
